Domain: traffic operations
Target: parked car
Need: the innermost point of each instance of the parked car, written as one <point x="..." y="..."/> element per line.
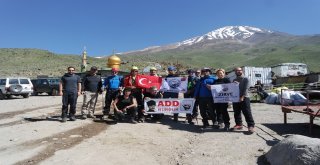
<point x="46" y="85"/>
<point x="15" y="86"/>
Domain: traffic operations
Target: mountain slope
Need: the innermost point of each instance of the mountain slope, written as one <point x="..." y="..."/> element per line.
<point x="33" y="62"/>
<point x="234" y="46"/>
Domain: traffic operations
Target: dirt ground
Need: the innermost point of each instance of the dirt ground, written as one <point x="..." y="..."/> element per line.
<point x="31" y="133"/>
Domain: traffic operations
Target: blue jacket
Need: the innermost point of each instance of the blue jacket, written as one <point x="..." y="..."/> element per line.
<point x="201" y="89"/>
<point x="112" y="82"/>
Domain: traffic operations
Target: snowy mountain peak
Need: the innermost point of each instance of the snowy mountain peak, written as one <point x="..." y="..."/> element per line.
<point x="228" y="32"/>
<point x="235" y="32"/>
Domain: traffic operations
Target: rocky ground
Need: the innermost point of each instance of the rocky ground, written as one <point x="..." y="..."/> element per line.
<point x="32" y="134"/>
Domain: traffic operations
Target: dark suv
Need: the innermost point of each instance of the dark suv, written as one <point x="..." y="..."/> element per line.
<point x="46" y="85"/>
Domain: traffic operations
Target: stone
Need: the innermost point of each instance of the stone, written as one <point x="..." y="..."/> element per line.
<point x="295" y="150"/>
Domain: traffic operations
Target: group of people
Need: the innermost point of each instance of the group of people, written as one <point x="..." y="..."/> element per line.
<point x="127" y="99"/>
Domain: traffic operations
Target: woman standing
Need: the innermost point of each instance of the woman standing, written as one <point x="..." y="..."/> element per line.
<point x="222" y="108"/>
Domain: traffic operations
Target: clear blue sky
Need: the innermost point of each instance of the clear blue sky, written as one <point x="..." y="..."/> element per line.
<point x="66" y="26"/>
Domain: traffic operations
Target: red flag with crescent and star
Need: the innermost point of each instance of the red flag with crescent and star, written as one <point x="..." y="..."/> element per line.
<point x="145" y="81"/>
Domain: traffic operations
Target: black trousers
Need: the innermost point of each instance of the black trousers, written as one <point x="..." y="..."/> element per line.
<point x="69" y="98"/>
<point x="131" y="112"/>
<point x="110" y="96"/>
<point x="207" y="109"/>
<point x="222" y="110"/>
<point x="137" y="93"/>
<point x="244" y="107"/>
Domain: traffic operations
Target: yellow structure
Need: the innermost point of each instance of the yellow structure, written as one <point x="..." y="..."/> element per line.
<point x="84" y="61"/>
<point x="114" y="62"/>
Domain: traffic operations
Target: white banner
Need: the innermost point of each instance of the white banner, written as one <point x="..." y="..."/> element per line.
<point x="153" y="106"/>
<point x="223" y="93"/>
<point x="174" y="84"/>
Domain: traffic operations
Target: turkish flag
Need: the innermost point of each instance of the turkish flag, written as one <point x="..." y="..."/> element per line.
<point x="144" y="81"/>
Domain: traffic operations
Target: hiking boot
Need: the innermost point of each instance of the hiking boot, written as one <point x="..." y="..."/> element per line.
<point x="221" y="126"/>
<point x="84" y="117"/>
<point x="91" y="116"/>
<point x="175" y="118"/>
<point x="205" y="123"/>
<point x="251" y="130"/>
<point x="73" y="118"/>
<point x="63" y="120"/>
<point x="237" y="127"/>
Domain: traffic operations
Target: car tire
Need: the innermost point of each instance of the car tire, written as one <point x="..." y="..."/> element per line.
<point x="2" y="96"/>
<point x="25" y="95"/>
<point x="15" y="88"/>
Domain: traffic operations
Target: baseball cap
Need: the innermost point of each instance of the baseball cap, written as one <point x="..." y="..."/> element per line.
<point x="171" y="68"/>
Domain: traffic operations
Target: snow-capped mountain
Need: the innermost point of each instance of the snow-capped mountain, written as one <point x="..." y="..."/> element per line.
<point x="228" y="33"/>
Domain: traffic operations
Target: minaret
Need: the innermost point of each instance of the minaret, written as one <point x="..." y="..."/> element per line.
<point x="84" y="60"/>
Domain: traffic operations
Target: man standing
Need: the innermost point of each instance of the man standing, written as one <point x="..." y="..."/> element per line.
<point x="91" y="87"/>
<point x="190" y="94"/>
<point x="203" y="94"/>
<point x="172" y="73"/>
<point x="69" y="89"/>
<point x="113" y="85"/>
<point x="153" y="71"/>
<point x="243" y="104"/>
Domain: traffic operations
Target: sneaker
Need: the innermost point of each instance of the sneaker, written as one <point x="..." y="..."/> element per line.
<point x="84" y="117"/>
<point x="215" y="123"/>
<point x="141" y="120"/>
<point x="237" y="127"/>
<point x="63" y="120"/>
<point x="105" y="117"/>
<point x="73" y="118"/>
<point x="226" y="127"/>
<point x="221" y="126"/>
<point x="251" y="130"/>
<point x="133" y="121"/>
<point x="91" y="116"/>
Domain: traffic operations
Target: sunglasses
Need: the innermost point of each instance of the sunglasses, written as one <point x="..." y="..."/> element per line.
<point x="71" y="70"/>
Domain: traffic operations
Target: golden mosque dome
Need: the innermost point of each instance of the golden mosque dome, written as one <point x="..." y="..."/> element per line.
<point x="114" y="62"/>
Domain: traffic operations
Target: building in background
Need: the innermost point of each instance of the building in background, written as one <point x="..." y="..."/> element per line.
<point x="289" y="69"/>
<point x="254" y="74"/>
